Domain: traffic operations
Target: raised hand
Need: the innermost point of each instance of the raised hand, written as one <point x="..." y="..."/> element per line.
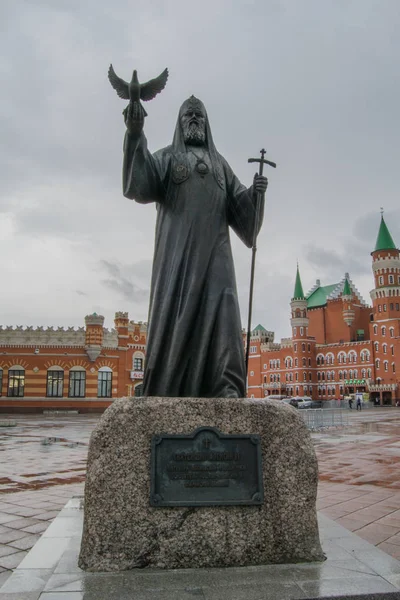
<point x="260" y="183"/>
<point x="134" y="118"/>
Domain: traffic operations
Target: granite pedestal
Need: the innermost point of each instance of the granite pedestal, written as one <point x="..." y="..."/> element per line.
<point x="123" y="531"/>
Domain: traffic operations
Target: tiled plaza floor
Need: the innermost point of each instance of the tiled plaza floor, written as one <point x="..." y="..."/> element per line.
<point x="43" y="462"/>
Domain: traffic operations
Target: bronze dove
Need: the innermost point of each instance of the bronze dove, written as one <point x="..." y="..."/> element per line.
<point x="135" y="91"/>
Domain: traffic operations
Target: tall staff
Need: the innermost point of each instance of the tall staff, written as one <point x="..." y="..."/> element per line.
<point x="259" y="202"/>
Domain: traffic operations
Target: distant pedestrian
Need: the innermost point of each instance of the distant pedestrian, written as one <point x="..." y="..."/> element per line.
<point x="358" y="403"/>
<point x="351" y="403"/>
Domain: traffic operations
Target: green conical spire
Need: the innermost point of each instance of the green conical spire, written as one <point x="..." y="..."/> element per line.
<point x="347" y="289"/>
<point x="384" y="241"/>
<point x="298" y="288"/>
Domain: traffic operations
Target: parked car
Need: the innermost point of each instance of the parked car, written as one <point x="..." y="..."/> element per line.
<point x="304" y="402"/>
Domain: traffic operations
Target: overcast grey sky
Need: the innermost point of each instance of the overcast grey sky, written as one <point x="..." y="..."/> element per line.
<point x="314" y="81"/>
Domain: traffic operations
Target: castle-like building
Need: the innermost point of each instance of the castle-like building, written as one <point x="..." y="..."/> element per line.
<point x="84" y="368"/>
<point x="339" y="344"/>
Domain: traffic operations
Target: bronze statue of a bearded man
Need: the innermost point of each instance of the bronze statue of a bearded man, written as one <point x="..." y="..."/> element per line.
<point x="194" y="339"/>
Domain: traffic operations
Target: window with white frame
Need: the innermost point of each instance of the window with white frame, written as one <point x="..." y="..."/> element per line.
<point x="385" y="365"/>
<point x="376" y="344"/>
<point x="375" y="329"/>
<point x="16" y="381"/>
<point x="377" y="363"/>
<point x="369" y="373"/>
<point x="379" y="308"/>
<point x="383" y="331"/>
<point x="77" y="382"/>
<point x="380" y="279"/>
<point x="391" y="331"/>
<point x="384" y="308"/>
<point x="301" y="330"/>
<point x="55" y="382"/>
<point x="384" y="348"/>
<point x="391" y="279"/>
<point x="104" y="382"/>
<point x="393" y="368"/>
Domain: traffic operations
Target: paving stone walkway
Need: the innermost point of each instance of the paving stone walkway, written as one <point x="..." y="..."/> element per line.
<point x="43" y="463"/>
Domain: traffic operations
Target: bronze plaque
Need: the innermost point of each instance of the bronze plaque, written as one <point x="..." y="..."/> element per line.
<point x="206" y="468"/>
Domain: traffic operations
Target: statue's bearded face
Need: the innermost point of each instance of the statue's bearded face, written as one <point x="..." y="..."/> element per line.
<point x="193" y="122"/>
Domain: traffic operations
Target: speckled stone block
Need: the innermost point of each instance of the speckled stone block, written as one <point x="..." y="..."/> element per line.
<point x="122" y="531"/>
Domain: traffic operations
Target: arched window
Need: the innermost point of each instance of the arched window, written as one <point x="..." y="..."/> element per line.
<point x="309" y="362"/>
<point x="328" y="375"/>
<point x="352" y="356"/>
<point x="77" y="382"/>
<point x="376" y="344"/>
<point x="310" y="376"/>
<point x="104" y="383"/>
<point x="340" y="375"/>
<point x="363" y="373"/>
<point x="138" y="361"/>
<point x="55" y="382"/>
<point x="383" y="331"/>
<point x="319" y="376"/>
<point x="297" y="376"/>
<point x="351" y="374"/>
<point x="323" y="376"/>
<point x="377" y="363"/>
<point x="1" y="380"/>
<point x="304" y="376"/>
<point x="304" y="362"/>
<point x="265" y="379"/>
<point x="303" y="347"/>
<point x="393" y="368"/>
<point x="385" y="365"/>
<point x="391" y="332"/>
<point x="384" y="348"/>
<point x="369" y="373"/>
<point x="332" y="375"/>
<point x="375" y="329"/>
<point x="16" y="381"/>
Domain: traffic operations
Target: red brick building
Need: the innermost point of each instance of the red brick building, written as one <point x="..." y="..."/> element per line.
<point x="82" y="368"/>
<point x="339" y="344"/>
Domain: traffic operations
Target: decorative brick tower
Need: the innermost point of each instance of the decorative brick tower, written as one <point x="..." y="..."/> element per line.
<point x="94" y="335"/>
<point x="347" y="299"/>
<point x="299" y="323"/>
<point x="121" y="321"/>
<point x="385" y="326"/>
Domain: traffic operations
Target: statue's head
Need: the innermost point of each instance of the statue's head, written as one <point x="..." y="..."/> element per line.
<point x="192" y="118"/>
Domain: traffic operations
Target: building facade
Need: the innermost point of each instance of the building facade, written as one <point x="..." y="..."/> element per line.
<point x="84" y="368"/>
<point x="339" y="344"/>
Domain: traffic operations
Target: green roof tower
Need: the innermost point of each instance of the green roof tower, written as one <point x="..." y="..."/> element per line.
<point x="298" y="293"/>
<point x="384" y="241"/>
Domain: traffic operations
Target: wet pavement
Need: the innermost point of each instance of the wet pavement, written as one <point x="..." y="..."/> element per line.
<point x="43" y="462"/>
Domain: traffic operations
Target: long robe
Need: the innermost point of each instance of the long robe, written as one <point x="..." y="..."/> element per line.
<point x="194" y="340"/>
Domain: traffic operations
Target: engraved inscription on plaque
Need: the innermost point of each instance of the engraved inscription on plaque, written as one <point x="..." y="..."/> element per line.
<point x="206" y="468"/>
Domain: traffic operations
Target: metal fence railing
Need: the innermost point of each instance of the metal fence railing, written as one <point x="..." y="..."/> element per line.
<point x="319" y="418"/>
